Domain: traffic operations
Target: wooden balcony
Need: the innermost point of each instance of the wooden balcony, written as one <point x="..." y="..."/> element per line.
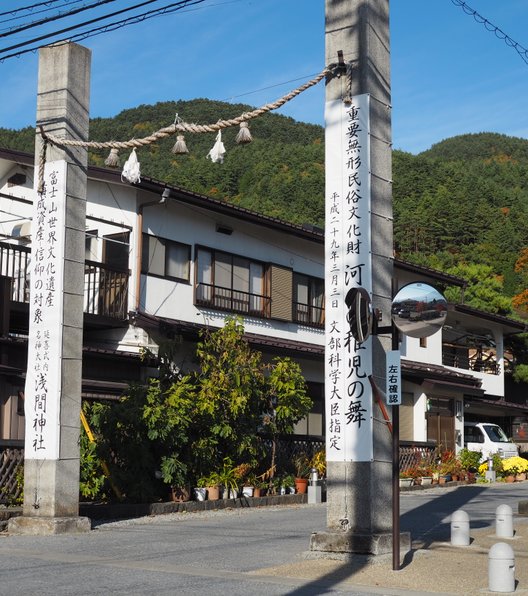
<point x="105" y="288"/>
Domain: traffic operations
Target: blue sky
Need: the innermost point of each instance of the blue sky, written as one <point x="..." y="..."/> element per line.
<point x="449" y="74"/>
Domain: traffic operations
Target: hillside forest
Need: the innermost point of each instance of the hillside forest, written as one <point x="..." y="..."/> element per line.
<point x="460" y="207"/>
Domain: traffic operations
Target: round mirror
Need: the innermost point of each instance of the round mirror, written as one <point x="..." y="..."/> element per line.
<point x="359" y="313"/>
<point x="419" y="310"/>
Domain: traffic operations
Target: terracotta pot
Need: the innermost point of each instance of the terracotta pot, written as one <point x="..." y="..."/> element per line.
<point x="520" y="477"/>
<point x="213" y="492"/>
<point x="301" y="485"/>
<point x="509" y="478"/>
<point x="256" y="492"/>
<point x="180" y="493"/>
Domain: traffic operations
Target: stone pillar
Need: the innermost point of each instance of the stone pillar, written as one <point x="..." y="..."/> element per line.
<point x="359" y="491"/>
<point x="53" y="383"/>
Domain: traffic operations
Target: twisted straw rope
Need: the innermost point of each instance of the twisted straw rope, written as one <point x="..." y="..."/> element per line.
<point x="185" y="126"/>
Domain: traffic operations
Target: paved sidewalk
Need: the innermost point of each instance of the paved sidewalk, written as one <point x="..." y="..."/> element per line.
<point x="264" y="550"/>
<point x="438" y="569"/>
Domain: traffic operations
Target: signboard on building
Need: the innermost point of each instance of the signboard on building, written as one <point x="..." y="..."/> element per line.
<point x="43" y="379"/>
<point x="393" y="380"/>
<point x="348" y="364"/>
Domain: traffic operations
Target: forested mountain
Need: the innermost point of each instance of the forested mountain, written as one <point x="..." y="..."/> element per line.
<point x="461" y="206"/>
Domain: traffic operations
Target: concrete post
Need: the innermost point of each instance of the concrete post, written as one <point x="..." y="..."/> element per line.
<point x="51" y="471"/>
<point x="359" y="489"/>
<point x="504" y="522"/>
<point x="501" y="568"/>
<point x="460" y="528"/>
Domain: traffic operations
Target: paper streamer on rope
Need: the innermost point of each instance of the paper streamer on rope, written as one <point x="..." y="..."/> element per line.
<point x="216" y="155"/>
<point x="131" y="169"/>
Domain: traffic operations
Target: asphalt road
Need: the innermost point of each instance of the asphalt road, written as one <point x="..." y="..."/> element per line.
<point x="221" y="552"/>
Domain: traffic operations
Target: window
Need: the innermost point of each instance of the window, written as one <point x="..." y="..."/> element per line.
<point x="166" y="258"/>
<point x="231" y="282"/>
<point x="308" y="300"/>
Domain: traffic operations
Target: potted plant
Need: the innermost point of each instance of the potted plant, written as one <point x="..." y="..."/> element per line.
<point x="249" y="485"/>
<point x="211" y="483"/>
<point x="288" y="484"/>
<point x="406" y="478"/>
<point x="174" y="473"/>
<point x="470" y="460"/>
<point x="228" y="479"/>
<point x="301" y="464"/>
<point x="514" y="467"/>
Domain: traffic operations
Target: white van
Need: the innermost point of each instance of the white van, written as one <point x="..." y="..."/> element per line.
<point x="489" y="439"/>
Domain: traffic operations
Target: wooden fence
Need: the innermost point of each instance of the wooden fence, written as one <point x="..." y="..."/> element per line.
<point x="11" y="466"/>
<point x="411" y="455"/>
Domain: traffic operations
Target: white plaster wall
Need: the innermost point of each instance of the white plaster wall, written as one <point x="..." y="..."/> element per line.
<point x="193" y="226"/>
<point x="432" y="353"/>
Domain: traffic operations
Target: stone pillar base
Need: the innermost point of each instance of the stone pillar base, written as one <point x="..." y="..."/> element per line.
<point x="353" y="542"/>
<point x="45" y="526"/>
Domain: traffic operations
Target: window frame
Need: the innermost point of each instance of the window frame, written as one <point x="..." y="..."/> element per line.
<point x="166" y="242"/>
<point x="213" y="301"/>
<point x="297" y="276"/>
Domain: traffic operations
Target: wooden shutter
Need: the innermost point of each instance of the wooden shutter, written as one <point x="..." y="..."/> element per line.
<point x="281" y="280"/>
<point x="406" y="417"/>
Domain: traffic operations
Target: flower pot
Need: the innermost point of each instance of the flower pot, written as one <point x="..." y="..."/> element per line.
<point x="520" y="477"/>
<point x="213" y="493"/>
<point x="200" y="493"/>
<point x="247" y="491"/>
<point x="509" y="478"/>
<point x="256" y="492"/>
<point x="301" y="485"/>
<point x="406" y="482"/>
<point x="180" y="493"/>
<point x="427" y="480"/>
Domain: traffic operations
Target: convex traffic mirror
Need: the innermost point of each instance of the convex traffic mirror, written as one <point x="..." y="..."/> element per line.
<point x="419" y="310"/>
<point x="359" y="313"/>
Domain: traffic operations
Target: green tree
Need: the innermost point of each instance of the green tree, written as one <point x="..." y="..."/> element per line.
<point x="484" y="289"/>
<point x="286" y="402"/>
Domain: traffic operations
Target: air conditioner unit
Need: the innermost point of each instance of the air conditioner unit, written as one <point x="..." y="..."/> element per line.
<point x="22" y="230"/>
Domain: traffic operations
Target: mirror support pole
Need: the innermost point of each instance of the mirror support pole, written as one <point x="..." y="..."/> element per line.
<point x="395" y="472"/>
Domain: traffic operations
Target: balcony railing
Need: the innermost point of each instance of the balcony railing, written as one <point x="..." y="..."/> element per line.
<point x="232" y="300"/>
<point x="14" y="263"/>
<point x="308" y="315"/>
<point x="105" y="288"/>
<point x="105" y="291"/>
<point x="485" y="363"/>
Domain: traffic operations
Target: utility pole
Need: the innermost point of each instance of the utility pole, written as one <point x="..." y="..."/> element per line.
<point x="54" y="369"/>
<point x="358" y="255"/>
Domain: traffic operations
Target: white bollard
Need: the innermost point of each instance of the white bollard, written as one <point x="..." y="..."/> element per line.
<point x="314" y="489"/>
<point x="460" y="528"/>
<point x="501" y="568"/>
<point x="504" y="522"/>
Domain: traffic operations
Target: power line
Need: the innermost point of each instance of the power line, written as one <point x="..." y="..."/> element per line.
<point x="33" y="12"/>
<point x="56" y="17"/>
<point x="48" y="3"/>
<point x="103" y="29"/>
<point x="499" y="33"/>
<point x="78" y="26"/>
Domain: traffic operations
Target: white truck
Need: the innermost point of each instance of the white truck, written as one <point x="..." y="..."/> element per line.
<point x="488" y="438"/>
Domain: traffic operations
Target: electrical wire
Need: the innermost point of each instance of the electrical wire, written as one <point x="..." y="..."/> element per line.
<point x="103" y="29"/>
<point x="78" y="26"/>
<point x="499" y="33"/>
<point x="56" y="17"/>
<point x="30" y="7"/>
<point x="17" y="18"/>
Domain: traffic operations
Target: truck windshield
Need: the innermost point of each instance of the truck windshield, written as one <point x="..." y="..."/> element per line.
<point x="495" y="433"/>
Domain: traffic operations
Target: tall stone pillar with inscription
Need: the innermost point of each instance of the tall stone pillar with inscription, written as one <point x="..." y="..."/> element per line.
<point x="53" y="381"/>
<point x="358" y="254"/>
